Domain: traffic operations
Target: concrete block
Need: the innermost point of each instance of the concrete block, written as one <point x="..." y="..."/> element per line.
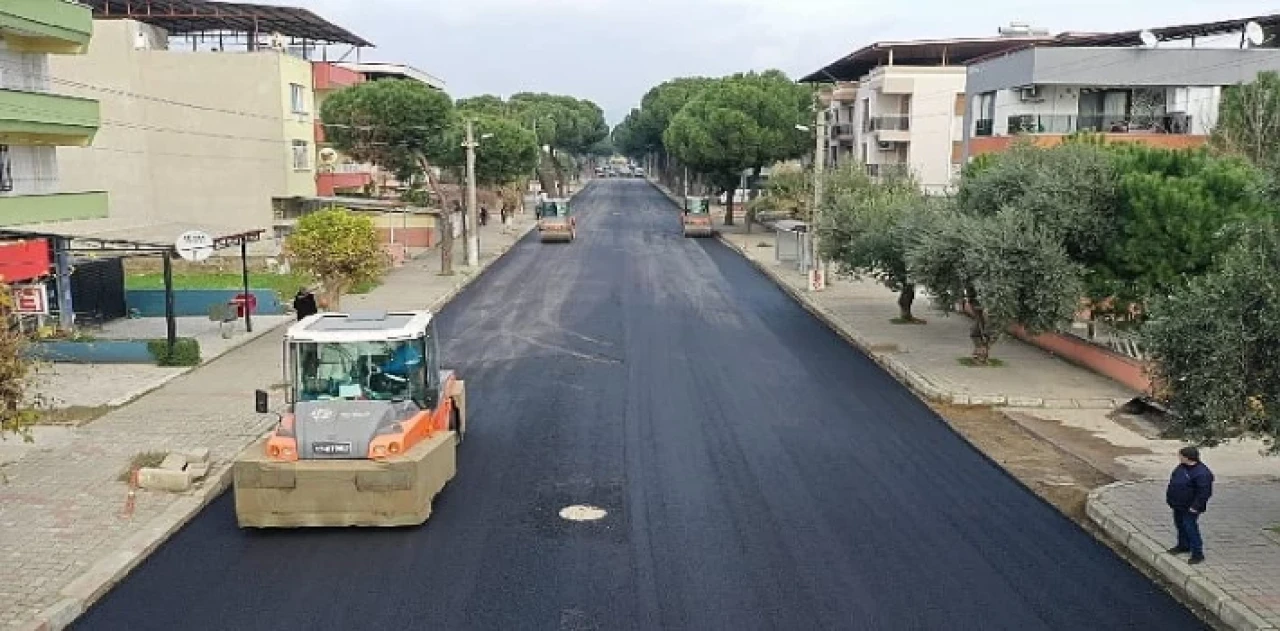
<point x="1204" y="592"/>
<point x="164" y="479"/>
<point x="987" y="399"/>
<point x="174" y="462"/>
<point x="1025" y="402"/>
<point x="199" y="454"/>
<point x="959" y="399"/>
<point x="1236" y="615"/>
<point x="198" y="470"/>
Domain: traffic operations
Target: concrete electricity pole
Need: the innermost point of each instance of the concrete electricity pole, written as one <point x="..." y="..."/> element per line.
<point x="473" y="225"/>
<point x="819" y="163"/>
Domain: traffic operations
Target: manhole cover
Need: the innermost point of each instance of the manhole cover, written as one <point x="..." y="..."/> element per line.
<point x="582" y="512"/>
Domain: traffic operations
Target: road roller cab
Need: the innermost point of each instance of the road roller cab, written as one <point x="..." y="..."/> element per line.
<point x="697" y="217"/>
<point x="556" y="221"/>
<point x="370" y="429"/>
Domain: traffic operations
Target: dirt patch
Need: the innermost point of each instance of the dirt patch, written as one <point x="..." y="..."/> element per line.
<point x="1061" y="479"/>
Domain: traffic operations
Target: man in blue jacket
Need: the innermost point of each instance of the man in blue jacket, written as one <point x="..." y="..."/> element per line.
<point x="1190" y="488"/>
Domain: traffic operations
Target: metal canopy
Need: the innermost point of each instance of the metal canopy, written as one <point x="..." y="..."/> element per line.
<point x="112" y="235"/>
<point x="186" y="17"/>
<point x="955" y="52"/>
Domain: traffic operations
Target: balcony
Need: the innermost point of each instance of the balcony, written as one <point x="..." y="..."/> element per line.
<point x="893" y="128"/>
<point x="1179" y="124"/>
<point x="328" y="76"/>
<point x="26" y="209"/>
<point x="842" y="132"/>
<point x="342" y="177"/>
<point x="41" y="118"/>
<point x="46" y="26"/>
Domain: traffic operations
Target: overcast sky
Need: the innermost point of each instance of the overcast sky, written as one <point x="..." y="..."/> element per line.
<point x="613" y="51"/>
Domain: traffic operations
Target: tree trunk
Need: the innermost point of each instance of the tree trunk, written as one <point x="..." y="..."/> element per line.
<point x="978" y="332"/>
<point x="906" y="297"/>
<point x="446" y="236"/>
<point x="728" y="205"/>
<point x="752" y="192"/>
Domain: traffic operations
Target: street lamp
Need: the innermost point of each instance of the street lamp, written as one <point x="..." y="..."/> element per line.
<point x="817" y="280"/>
<point x="472" y="231"/>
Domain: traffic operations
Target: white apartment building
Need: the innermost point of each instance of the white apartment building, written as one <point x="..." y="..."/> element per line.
<point x="901" y="105"/>
<point x="1161" y="89"/>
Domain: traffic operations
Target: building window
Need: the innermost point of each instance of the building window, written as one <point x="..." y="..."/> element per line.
<point x="6" y="170"/>
<point x="298" y="97"/>
<point x="301" y="156"/>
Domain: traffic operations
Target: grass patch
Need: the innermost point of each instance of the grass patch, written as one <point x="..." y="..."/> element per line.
<point x="991" y="362"/>
<point x="186" y="352"/>
<point x="285" y="285"/>
<point x="141" y="460"/>
<point x="901" y="320"/>
<point x="75" y="415"/>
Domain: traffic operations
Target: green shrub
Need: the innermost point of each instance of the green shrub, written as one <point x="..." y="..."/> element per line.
<point x="186" y="352"/>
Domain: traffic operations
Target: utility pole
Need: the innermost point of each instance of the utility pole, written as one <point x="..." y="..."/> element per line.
<point x="819" y="163"/>
<point x="472" y="224"/>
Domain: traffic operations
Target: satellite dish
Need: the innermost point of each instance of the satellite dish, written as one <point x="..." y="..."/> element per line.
<point x="1149" y="39"/>
<point x="1253" y="34"/>
<point x="328" y="156"/>
<point x="194" y="245"/>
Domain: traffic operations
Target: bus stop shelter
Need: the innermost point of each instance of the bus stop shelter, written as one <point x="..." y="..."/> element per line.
<point x="113" y="238"/>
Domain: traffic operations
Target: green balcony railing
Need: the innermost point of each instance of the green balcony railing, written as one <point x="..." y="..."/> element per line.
<point x="25" y="209"/>
<point x="41" y="118"/>
<point x="46" y="26"/>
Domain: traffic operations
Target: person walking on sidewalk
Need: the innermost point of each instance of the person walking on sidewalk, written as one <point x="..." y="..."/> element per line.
<point x="1190" y="488"/>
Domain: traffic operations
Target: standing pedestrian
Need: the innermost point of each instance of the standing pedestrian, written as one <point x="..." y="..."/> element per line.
<point x="1190" y="488"/>
<point x="304" y="303"/>
<point x="484" y="215"/>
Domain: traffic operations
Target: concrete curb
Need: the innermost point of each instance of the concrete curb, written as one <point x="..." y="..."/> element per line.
<point x="106" y="573"/>
<point x="1185" y="579"/>
<point x="919" y="383"/>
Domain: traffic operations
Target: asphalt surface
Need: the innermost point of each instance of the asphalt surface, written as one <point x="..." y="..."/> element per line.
<point x="758" y="473"/>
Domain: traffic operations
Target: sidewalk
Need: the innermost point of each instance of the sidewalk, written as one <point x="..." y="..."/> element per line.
<point x="1074" y="410"/>
<point x="66" y="532"/>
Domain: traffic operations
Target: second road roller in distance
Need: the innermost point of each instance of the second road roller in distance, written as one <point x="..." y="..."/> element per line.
<point x="556" y="221"/>
<point x="697" y="217"/>
<point x="371" y="429"/>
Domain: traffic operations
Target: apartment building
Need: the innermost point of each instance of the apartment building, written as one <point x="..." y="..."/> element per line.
<point x="37" y="117"/>
<point x="212" y="116"/>
<point x="899" y="106"/>
<point x="1136" y="86"/>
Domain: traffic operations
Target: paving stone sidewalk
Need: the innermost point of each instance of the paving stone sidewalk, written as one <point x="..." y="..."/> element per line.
<point x="66" y="532"/>
<point x="1240" y="578"/>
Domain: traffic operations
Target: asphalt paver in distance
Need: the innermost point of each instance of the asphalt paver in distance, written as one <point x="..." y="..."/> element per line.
<point x="755" y="471"/>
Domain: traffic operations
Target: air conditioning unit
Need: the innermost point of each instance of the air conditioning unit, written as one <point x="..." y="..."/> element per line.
<point x="885" y="145"/>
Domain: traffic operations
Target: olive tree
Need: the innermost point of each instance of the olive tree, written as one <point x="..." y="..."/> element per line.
<point x="1214" y="345"/>
<point x="1006" y="270"/>
<point x="863" y="229"/>
<point x="342" y="249"/>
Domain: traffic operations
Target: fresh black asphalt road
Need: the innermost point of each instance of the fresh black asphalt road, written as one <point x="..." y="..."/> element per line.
<point x="758" y="473"/>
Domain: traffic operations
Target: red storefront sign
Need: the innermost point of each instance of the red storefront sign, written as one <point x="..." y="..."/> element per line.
<point x="24" y="260"/>
<point x="31" y="299"/>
